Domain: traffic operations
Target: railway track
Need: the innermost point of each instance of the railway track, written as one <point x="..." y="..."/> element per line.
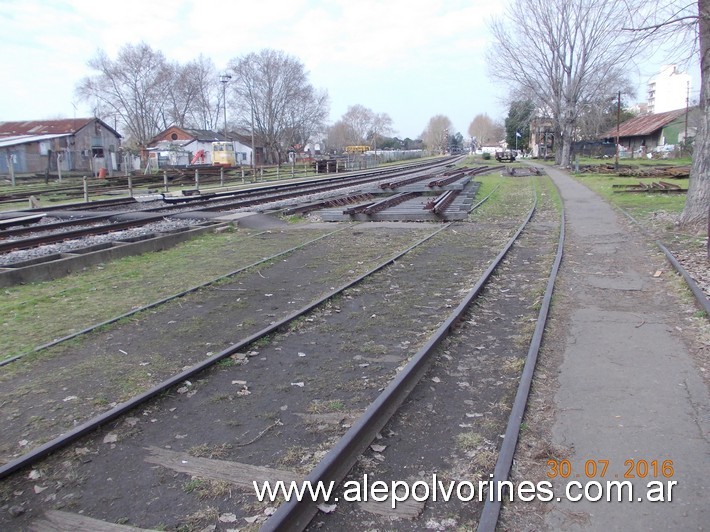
<point x="12" y="239"/>
<point x="273" y="398"/>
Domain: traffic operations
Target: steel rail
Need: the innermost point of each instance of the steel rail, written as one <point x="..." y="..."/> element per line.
<point x="31" y="242"/>
<point x="484" y="199"/>
<point x="295" y="515"/>
<point x="89" y="426"/>
<point x="491" y="508"/>
<point x="18" y="231"/>
<point x="278" y="192"/>
<point x="168" y="298"/>
<point x="692" y="285"/>
<point x="697" y="292"/>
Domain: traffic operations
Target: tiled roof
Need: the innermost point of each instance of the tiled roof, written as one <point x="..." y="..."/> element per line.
<point x="645" y="125"/>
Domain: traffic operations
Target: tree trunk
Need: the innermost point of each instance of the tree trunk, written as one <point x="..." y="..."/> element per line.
<point x="697" y="203"/>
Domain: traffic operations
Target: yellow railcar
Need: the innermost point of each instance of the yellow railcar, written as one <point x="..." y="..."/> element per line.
<point x="223" y="154"/>
<point x="356" y="149"/>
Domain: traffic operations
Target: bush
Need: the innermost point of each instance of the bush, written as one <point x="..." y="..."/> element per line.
<point x="486" y="156"/>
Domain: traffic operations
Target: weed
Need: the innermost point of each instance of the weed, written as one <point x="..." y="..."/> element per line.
<point x="469" y="441"/>
<point x="514" y="365"/>
<point x="192" y="485"/>
<point x="199" y="519"/>
<point x="324" y="407"/>
<point x="214" y="452"/>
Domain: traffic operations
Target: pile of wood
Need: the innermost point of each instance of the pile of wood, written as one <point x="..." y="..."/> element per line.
<point x="655" y="172"/>
<point x="659" y="186"/>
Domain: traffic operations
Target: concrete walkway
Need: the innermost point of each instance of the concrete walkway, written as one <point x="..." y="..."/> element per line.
<point x="629" y="389"/>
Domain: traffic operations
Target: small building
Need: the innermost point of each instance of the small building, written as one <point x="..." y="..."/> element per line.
<point x="642" y="135"/>
<point x="179" y="147"/>
<point x="79" y="144"/>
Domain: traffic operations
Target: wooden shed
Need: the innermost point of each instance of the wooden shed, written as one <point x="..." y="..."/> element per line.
<point x="646" y="133"/>
<point x="80" y="144"/>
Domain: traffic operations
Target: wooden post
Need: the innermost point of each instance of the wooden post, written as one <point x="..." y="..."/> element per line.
<point x="221" y="176"/>
<point x="165" y="180"/>
<point x="197" y="179"/>
<point x="86" y="191"/>
<point x="130" y="185"/>
<point x="59" y="166"/>
<point x="11" y="167"/>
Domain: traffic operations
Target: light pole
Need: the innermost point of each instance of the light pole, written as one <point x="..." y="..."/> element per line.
<point x="224" y="79"/>
<point x="253" y="146"/>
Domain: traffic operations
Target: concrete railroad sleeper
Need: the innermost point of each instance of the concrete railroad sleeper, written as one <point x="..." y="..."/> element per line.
<point x="296" y="515"/>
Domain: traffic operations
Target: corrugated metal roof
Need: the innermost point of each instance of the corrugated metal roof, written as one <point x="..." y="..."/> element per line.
<point x="43" y="127"/>
<point x="16" y="140"/>
<point x="645" y="125"/>
<point x="204" y="134"/>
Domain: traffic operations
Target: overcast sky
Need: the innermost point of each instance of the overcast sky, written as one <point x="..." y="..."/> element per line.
<point x="410" y="59"/>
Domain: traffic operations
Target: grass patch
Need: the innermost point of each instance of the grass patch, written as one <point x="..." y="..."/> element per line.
<point x="469" y="441"/>
<point x="324" y="407"/>
<point x="38" y="313"/>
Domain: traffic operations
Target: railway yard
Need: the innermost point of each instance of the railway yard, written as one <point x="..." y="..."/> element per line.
<point x="382" y="325"/>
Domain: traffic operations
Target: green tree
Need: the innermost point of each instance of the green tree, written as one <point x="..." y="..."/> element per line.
<point x="517" y="123"/>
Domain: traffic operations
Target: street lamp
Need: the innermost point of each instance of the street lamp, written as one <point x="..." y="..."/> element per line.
<point x="224" y="79"/>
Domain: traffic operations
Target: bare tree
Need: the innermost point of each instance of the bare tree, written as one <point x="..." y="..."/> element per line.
<point x="306" y="117"/>
<point x="484" y="131"/>
<point x="381" y="125"/>
<point x="561" y="53"/>
<point x="338" y="136"/>
<point x="274" y="87"/>
<point x="206" y="105"/>
<point x="133" y="89"/>
<point x="358" y="121"/>
<point x="680" y="21"/>
<point x="436" y="134"/>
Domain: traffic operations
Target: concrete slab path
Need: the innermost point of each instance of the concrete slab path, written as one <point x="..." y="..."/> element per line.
<point x="629" y="391"/>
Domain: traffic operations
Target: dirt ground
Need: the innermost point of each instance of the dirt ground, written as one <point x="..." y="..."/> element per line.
<point x="266" y="406"/>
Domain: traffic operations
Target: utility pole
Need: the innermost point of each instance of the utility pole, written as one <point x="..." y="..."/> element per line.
<point x="253" y="146"/>
<point x="224" y="79"/>
<point x="618" y="121"/>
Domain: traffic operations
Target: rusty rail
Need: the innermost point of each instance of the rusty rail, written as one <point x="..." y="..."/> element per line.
<point x="377" y="206"/>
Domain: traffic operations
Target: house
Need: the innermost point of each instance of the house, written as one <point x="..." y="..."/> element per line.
<point x="542" y="137"/>
<point x="178" y="146"/>
<point x="79" y="144"/>
<point x="647" y="133"/>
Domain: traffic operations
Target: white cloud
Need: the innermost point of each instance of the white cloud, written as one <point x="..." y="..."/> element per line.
<point x="412" y="59"/>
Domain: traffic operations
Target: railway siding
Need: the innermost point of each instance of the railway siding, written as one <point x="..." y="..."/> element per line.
<point x="403" y="306"/>
<point x="111" y="365"/>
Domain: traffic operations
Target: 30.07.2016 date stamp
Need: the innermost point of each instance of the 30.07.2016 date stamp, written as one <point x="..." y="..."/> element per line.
<point x="599" y="468"/>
